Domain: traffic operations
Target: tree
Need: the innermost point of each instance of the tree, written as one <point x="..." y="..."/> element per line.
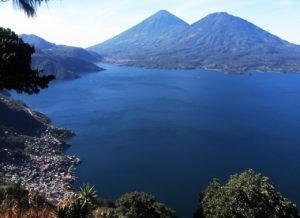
<point x="28" y="6"/>
<point x="138" y="204"/>
<point x="245" y="195"/>
<point x="15" y="57"/>
<point x="15" y="70"/>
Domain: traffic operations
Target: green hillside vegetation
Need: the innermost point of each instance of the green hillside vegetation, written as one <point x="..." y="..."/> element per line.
<point x="245" y="195"/>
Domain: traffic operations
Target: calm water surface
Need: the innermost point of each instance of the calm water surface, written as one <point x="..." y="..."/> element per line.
<point x="169" y="132"/>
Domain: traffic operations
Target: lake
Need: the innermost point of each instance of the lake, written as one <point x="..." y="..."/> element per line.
<point x="169" y="132"/>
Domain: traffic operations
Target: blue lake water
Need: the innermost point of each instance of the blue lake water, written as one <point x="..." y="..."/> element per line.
<point x="169" y="132"/>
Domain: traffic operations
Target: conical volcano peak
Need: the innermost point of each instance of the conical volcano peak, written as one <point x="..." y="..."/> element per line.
<point x="163" y="12"/>
<point x="218" y="41"/>
<point x="158" y="29"/>
<point x="165" y="17"/>
<point x="221" y="14"/>
<point x="219" y="18"/>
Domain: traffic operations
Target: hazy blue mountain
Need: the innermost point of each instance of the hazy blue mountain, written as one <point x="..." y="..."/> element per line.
<point x="37" y="41"/>
<point x="76" y="52"/>
<point x="63" y="67"/>
<point x="65" y="62"/>
<point x="218" y="41"/>
<point x="223" y="41"/>
<point x="62" y="50"/>
<point x="147" y="36"/>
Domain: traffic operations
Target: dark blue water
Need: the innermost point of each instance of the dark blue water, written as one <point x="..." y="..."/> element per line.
<point x="169" y="132"/>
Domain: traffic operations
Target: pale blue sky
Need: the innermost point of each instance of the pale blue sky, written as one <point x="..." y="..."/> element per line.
<point x="87" y="22"/>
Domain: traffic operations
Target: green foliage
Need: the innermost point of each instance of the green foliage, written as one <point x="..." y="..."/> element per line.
<point x="87" y="194"/>
<point x="245" y="195"/>
<point x="15" y="69"/>
<point x="130" y="205"/>
<point x="82" y="206"/>
<point x="106" y="203"/>
<point x="138" y="204"/>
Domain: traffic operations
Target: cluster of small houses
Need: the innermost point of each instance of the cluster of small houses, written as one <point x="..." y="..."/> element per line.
<point x="44" y="168"/>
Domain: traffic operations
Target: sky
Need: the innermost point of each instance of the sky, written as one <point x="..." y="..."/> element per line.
<point x="88" y="22"/>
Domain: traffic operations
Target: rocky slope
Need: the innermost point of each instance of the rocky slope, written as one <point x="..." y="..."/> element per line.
<point x="32" y="151"/>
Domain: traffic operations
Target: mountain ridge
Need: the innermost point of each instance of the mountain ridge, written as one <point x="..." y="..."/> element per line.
<point x="64" y="62"/>
<point x="166" y="26"/>
<point x="36" y="41"/>
<point x="217" y="41"/>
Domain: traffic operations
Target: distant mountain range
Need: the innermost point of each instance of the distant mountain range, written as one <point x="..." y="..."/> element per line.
<point x="64" y="62"/>
<point x="218" y="41"/>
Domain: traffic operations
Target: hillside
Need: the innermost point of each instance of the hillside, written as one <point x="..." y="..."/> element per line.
<point x="148" y="36"/>
<point x="75" y="52"/>
<point x="32" y="151"/>
<point x="37" y="41"/>
<point x="218" y="41"/>
<point x="63" y="67"/>
<point x="65" y="62"/>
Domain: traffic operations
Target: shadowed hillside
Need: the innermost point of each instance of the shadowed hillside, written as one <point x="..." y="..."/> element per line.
<point x="65" y="62"/>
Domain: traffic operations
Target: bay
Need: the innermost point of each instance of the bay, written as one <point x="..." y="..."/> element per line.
<point x="169" y="132"/>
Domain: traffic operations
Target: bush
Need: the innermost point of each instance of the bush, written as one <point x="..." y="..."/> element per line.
<point x="13" y="194"/>
<point x="17" y="202"/>
<point x="245" y="195"/>
<point x="138" y="204"/>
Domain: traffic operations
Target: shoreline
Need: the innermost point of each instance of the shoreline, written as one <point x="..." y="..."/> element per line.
<point x="227" y="71"/>
<point x="41" y="164"/>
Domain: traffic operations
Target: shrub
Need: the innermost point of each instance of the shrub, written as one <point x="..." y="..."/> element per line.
<point x="138" y="204"/>
<point x="245" y="195"/>
<point x="17" y="202"/>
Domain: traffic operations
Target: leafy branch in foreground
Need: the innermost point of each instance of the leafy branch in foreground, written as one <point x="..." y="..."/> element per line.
<point x="28" y="6"/>
<point x="15" y="65"/>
